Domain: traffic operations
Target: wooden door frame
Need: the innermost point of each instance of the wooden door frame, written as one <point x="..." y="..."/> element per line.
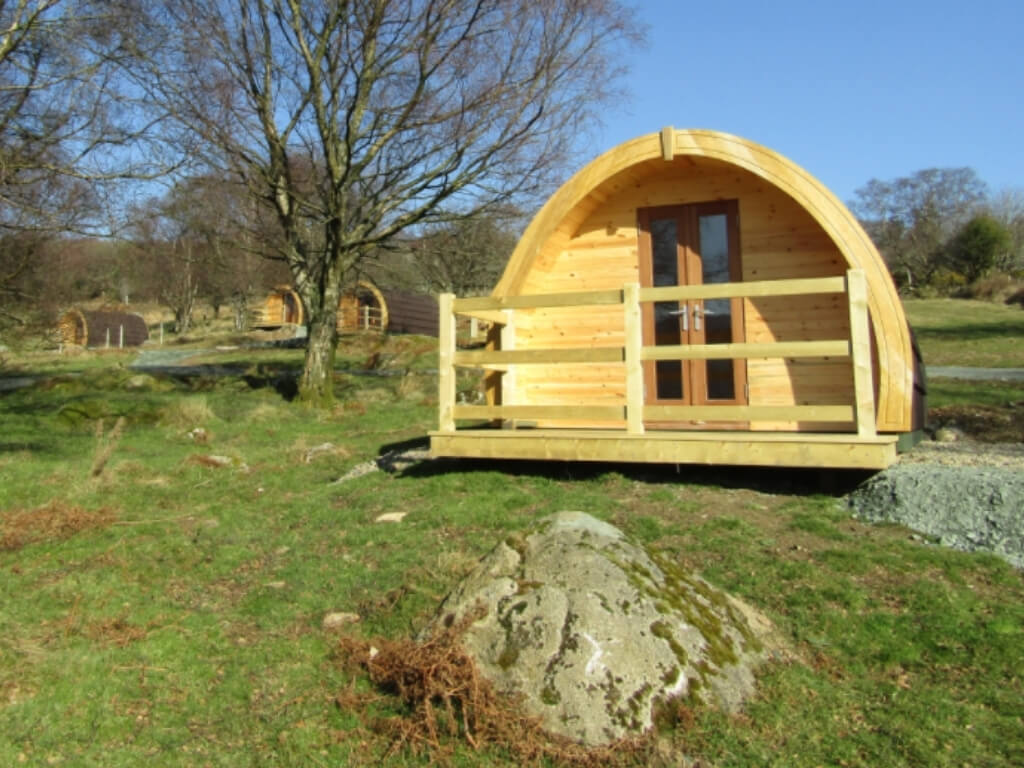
<point x="689" y="264"/>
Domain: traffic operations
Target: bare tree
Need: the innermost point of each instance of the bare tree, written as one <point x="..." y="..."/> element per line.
<point x="464" y="257"/>
<point x="912" y="218"/>
<point x="1007" y="207"/>
<point x="353" y="120"/>
<point x="66" y="127"/>
<point x="170" y="241"/>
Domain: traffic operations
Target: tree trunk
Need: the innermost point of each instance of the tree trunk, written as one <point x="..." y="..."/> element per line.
<point x="240" y="305"/>
<point x="316" y="386"/>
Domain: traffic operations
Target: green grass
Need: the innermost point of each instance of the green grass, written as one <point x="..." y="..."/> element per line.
<point x="995" y="394"/>
<point x="186" y="629"/>
<point x="967" y="332"/>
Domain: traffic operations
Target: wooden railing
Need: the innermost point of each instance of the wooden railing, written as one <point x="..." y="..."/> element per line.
<point x="362" y="318"/>
<point x="634" y="412"/>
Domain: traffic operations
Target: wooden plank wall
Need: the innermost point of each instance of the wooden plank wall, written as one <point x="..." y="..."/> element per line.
<point x="779" y="240"/>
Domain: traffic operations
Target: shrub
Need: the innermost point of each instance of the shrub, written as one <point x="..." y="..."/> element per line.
<point x="997" y="286"/>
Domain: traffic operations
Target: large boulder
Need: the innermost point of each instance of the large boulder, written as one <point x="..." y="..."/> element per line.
<point x="593" y="632"/>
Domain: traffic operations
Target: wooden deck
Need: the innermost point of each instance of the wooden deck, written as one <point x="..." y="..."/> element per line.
<point x="764" y="449"/>
<point x="537" y="423"/>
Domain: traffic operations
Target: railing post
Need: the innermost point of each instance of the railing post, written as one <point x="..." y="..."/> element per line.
<point x="860" y="353"/>
<point x="446" y="364"/>
<point x="508" y="378"/>
<point x="634" y="365"/>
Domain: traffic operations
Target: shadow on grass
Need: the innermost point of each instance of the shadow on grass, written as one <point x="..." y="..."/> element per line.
<point x="16" y="447"/>
<point x="973" y="331"/>
<point x="776" y="480"/>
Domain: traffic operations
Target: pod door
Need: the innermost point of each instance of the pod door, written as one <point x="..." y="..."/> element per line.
<point x="694" y="244"/>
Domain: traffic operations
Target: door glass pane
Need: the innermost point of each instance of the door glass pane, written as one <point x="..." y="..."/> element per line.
<point x="664" y="237"/>
<point x="714" y="248"/>
<point x="668" y="374"/>
<point x="714" y="252"/>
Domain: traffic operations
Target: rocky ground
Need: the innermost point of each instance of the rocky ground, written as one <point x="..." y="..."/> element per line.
<point x="967" y="494"/>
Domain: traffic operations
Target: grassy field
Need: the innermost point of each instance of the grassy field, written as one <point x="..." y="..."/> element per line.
<point x="162" y="590"/>
<point x="968" y="332"/>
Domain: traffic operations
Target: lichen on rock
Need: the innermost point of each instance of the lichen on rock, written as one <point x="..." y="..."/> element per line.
<point x="592" y="631"/>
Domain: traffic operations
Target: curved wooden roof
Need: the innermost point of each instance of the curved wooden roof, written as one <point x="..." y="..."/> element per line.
<point x="568" y="207"/>
<point x="97" y="328"/>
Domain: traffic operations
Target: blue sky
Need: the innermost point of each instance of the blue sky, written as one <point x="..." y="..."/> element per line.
<point x="850" y="91"/>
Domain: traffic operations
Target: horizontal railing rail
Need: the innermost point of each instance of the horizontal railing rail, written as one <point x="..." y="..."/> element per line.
<point x="633" y="354"/>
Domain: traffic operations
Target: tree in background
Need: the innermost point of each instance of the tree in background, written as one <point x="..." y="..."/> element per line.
<point x="464" y="257"/>
<point x="1007" y="208"/>
<point x="912" y="218"/>
<point x="977" y="247"/>
<point x="66" y="127"/>
<point x="196" y="241"/>
<point x="353" y="121"/>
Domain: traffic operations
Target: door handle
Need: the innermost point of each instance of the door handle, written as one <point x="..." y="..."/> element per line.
<point x="682" y="315"/>
<point x="696" y="318"/>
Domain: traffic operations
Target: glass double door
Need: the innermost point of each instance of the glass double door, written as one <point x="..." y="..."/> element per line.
<point x="693" y="244"/>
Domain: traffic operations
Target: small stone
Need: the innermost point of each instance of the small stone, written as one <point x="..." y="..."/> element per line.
<point x="319" y="450"/>
<point x="275" y="585"/>
<point x="333" y="621"/>
<point x="946" y="435"/>
<point x="391" y="517"/>
<point x="140" y="381"/>
<point x="214" y="461"/>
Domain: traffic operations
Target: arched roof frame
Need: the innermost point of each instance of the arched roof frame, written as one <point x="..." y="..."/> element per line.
<point x="555" y="223"/>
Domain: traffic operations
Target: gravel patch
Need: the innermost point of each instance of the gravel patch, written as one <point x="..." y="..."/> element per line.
<point x="975" y="374"/>
<point x="968" y="496"/>
<point x="392" y="461"/>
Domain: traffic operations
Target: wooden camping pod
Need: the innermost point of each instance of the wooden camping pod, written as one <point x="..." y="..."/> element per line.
<point x="369" y="308"/>
<point x="281" y="307"/>
<point x="101" y="328"/>
<point x="363" y="309"/>
<point x="702" y="293"/>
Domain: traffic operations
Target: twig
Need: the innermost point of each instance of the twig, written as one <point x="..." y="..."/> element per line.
<point x="157" y="520"/>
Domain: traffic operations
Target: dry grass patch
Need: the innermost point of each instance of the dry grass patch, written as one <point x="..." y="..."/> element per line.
<point x="268" y="412"/>
<point x="448" y="702"/>
<point x="188" y="412"/>
<point x="118" y="632"/>
<point x="54" y="521"/>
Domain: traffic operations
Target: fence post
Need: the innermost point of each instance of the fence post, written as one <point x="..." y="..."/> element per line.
<point x="860" y="353"/>
<point x="366" y="317"/>
<point x="446" y="363"/>
<point x="120" y="344"/>
<point x="108" y="339"/>
<point x="509" y="395"/>
<point x="161" y="333"/>
<point x="634" y="365"/>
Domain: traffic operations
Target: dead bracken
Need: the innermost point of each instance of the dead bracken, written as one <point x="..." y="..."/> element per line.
<point x="447" y="701"/>
<point x="54" y="521"/>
